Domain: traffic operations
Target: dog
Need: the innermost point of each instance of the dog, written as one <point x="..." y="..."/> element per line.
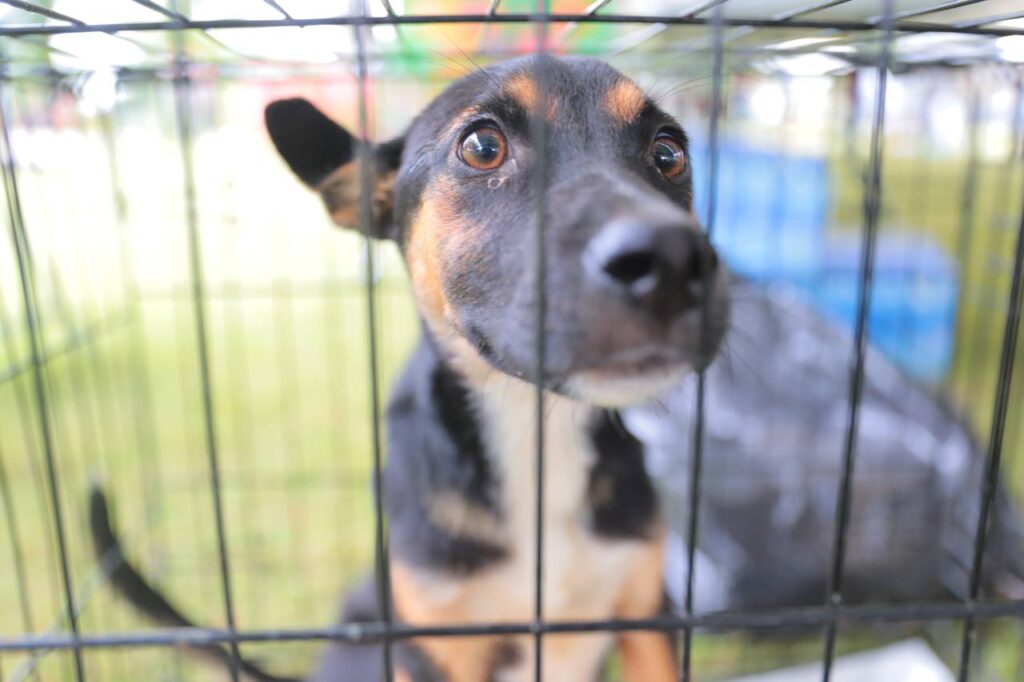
<point x="636" y="299"/>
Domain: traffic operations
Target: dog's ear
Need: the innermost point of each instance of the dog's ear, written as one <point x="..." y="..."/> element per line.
<point x="326" y="158"/>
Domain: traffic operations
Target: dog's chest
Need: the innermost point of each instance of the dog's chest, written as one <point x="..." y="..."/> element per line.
<point x="588" y="560"/>
<point x="583" y="572"/>
<point x="579" y="564"/>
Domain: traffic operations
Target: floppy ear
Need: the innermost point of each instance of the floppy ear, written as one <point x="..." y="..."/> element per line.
<point x="326" y="158"/>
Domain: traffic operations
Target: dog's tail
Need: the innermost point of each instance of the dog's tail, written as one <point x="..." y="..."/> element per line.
<point x="130" y="584"/>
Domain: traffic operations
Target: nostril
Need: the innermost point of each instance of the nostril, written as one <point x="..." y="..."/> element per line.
<point x="631" y="267"/>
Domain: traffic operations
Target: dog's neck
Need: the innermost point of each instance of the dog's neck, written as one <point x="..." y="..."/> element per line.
<point x="461" y="474"/>
<point x="510" y="408"/>
<point x="583" y="446"/>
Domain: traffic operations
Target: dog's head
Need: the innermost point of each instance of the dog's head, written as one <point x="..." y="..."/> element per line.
<point x="635" y="296"/>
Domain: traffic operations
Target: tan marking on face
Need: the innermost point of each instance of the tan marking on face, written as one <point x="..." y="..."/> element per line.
<point x="624" y="101"/>
<point x="646" y="656"/>
<point x="461" y="659"/>
<point x="459" y="121"/>
<point x="458" y="516"/>
<point x="341" y="189"/>
<point x="433" y="220"/>
<point x="523" y="89"/>
<point x="402" y="675"/>
<point x="437" y="235"/>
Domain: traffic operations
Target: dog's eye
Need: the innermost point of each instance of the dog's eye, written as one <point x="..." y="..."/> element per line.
<point x="668" y="155"/>
<point x="484" y="148"/>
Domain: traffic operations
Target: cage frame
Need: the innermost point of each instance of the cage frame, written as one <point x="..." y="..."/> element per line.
<point x="831" y="615"/>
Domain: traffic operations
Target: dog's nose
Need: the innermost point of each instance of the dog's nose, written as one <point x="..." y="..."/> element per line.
<point x="663" y="267"/>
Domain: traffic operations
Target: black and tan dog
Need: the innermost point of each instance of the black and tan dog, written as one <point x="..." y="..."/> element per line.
<point x="636" y="299"/>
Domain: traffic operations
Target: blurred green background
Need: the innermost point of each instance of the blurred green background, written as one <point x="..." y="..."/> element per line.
<point x="102" y="193"/>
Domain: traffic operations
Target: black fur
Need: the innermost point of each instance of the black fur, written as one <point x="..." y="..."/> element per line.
<point x="624" y="504"/>
<point x="435" y="446"/>
<point x="313" y="145"/>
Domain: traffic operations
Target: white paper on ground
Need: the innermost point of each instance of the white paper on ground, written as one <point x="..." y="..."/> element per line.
<point x="909" y="661"/>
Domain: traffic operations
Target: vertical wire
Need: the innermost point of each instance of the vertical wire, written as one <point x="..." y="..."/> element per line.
<point x="539" y="181"/>
<point x="19" y="237"/>
<point x="185" y="376"/>
<point x="233" y="304"/>
<point x="995" y="449"/>
<point x="85" y="375"/>
<point x="872" y="211"/>
<point x="92" y="383"/>
<point x="60" y="439"/>
<point x="183" y="112"/>
<point x="140" y="398"/>
<point x="289" y="375"/>
<point x="24" y="409"/>
<point x="237" y="365"/>
<point x="334" y="380"/>
<point x="992" y="244"/>
<point x="292" y="439"/>
<point x="17" y="555"/>
<point x="92" y="438"/>
<point x="697" y="447"/>
<point x="968" y="215"/>
<point x="136" y="392"/>
<point x="365" y="218"/>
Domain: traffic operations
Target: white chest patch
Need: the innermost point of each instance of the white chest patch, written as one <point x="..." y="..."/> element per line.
<point x="583" y="575"/>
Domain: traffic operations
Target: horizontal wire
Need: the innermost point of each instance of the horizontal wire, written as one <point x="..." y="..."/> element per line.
<point x="50" y="14"/>
<point x="796" y="618"/>
<point x="974" y="27"/>
<point x="98" y="578"/>
<point x="249" y="68"/>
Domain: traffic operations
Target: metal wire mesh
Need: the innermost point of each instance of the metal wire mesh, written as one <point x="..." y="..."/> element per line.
<point x="79" y="381"/>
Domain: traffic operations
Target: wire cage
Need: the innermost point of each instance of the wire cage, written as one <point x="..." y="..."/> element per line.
<point x="179" y="323"/>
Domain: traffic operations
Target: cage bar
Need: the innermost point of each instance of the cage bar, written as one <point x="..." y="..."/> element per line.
<point x="19" y="239"/>
<point x="539" y="132"/>
<point x="183" y="116"/>
<point x="370" y="255"/>
<point x="697" y="445"/>
<point x="995" y="448"/>
<point x="981" y="27"/>
<point x="82" y="333"/>
<point x="787" y="619"/>
<point x="872" y="211"/>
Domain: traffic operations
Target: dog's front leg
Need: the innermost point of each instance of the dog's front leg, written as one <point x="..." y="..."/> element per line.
<point x="647" y="656"/>
<point x="459" y="659"/>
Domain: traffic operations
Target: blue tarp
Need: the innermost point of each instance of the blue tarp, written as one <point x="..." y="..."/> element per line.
<point x="771" y="223"/>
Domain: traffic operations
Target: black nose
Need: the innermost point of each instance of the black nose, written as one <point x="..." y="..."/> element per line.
<point x="666" y="268"/>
